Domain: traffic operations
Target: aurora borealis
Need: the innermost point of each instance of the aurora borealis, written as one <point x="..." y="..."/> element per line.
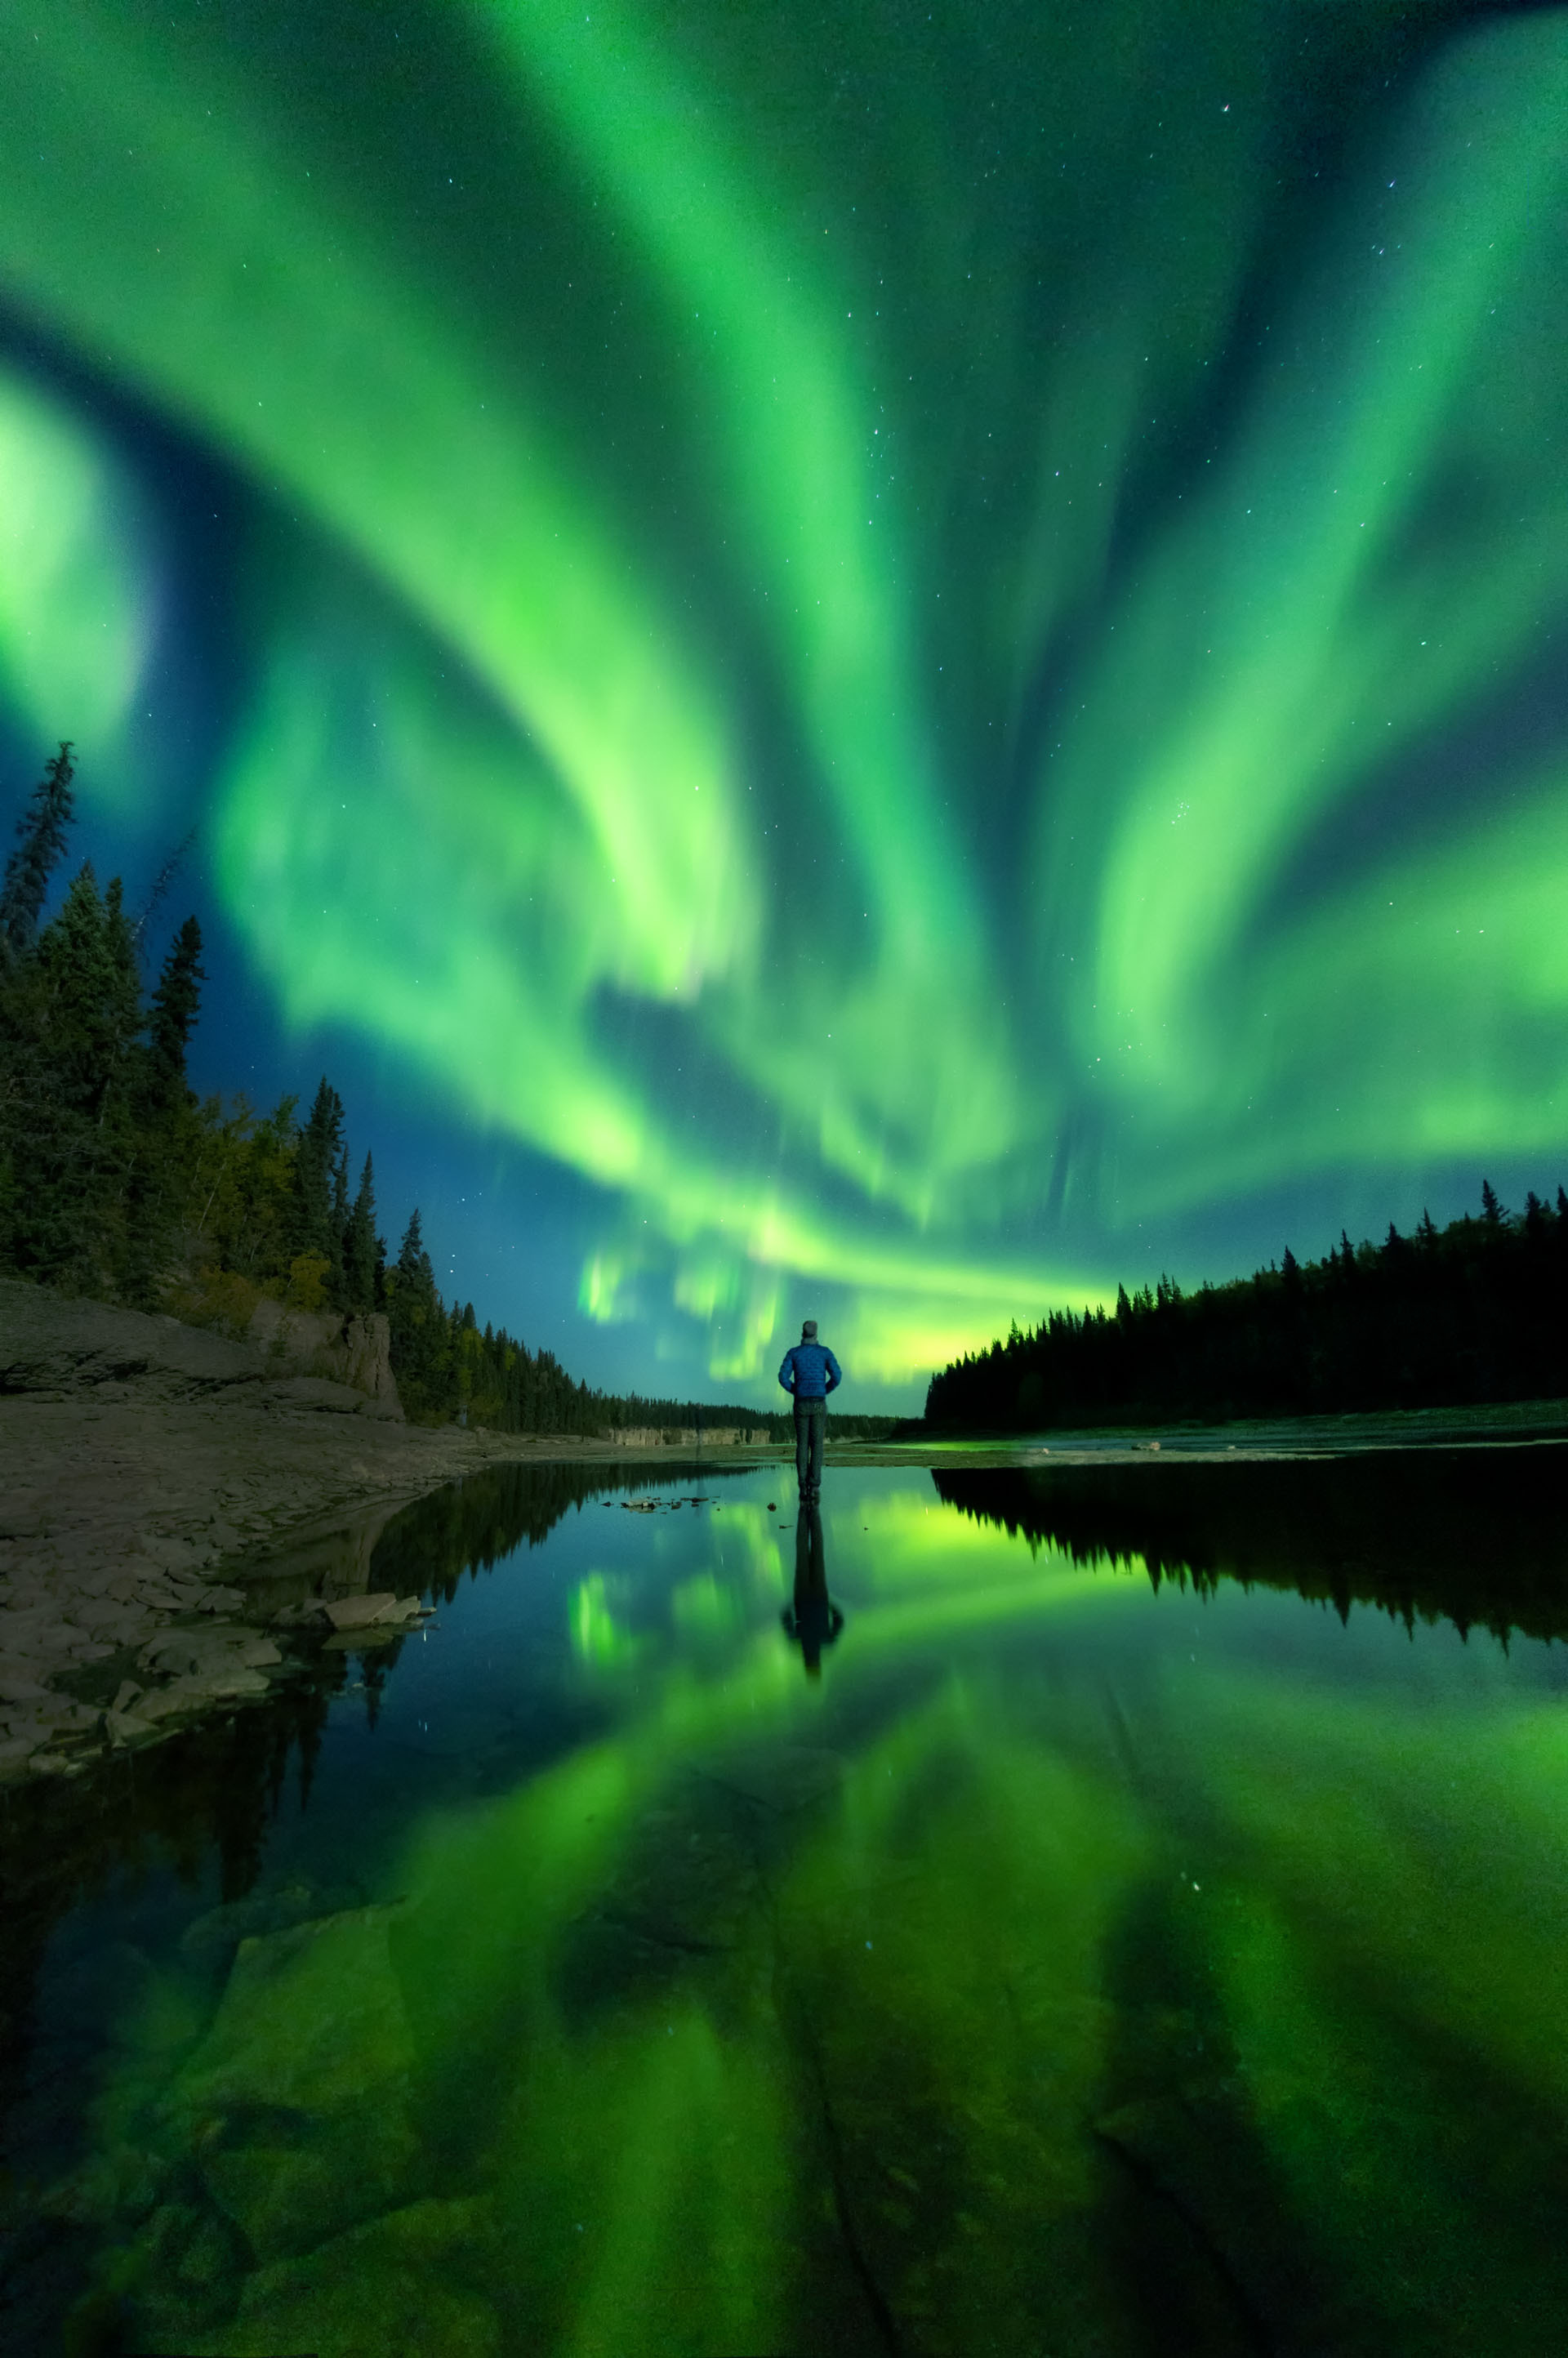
<point x="908" y="658"/>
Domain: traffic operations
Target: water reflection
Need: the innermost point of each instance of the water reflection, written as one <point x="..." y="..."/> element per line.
<point x="473" y="1525"/>
<point x="1478" y="1537"/>
<point x="812" y="1618"/>
<point x="1074" y="1969"/>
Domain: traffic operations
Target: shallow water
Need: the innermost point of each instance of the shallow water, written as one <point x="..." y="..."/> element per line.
<point x="1106" y="1914"/>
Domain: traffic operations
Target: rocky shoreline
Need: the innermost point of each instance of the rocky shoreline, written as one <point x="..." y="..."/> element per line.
<point x="173" y="1502"/>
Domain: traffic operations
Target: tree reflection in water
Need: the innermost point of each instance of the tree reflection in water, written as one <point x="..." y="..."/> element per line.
<point x="1473" y="1536"/>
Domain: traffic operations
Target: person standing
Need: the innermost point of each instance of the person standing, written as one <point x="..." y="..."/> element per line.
<point x="810" y="1372"/>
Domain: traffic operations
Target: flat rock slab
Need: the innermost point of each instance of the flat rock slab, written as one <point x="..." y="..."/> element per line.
<point x="361" y="1611"/>
<point x="199" y="1652"/>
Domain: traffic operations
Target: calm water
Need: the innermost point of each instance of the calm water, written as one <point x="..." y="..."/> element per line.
<point x="1018" y="1913"/>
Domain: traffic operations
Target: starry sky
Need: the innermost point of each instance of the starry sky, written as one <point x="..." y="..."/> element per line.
<point x="872" y="660"/>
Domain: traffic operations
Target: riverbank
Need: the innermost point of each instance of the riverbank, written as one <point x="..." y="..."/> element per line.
<point x="157" y="1478"/>
<point x="176" y="1507"/>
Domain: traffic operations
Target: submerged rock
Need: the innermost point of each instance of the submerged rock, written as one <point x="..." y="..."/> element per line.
<point x="186" y="2270"/>
<point x="267" y="1909"/>
<point x="293" y="2108"/>
<point x="126" y="2183"/>
<point x="311" y="2175"/>
<point x="395" y="2284"/>
<point x="312" y="2018"/>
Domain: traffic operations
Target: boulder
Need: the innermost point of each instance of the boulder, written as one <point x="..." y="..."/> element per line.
<point x="355" y="1350"/>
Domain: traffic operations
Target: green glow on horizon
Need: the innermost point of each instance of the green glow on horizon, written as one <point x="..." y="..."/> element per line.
<point x="686" y="819"/>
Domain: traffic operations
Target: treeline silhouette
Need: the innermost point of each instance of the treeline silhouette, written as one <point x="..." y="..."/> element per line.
<point x="116" y="1180"/>
<point x="1472" y="1313"/>
<point x="1434" y="1533"/>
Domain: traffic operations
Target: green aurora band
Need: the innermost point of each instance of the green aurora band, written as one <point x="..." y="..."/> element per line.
<point x="906" y="648"/>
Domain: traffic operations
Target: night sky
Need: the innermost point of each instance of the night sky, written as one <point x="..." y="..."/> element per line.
<point x="875" y="661"/>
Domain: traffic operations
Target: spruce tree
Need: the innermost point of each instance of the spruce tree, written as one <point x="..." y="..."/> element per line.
<point x="168" y="1130"/>
<point x="415" y="1267"/>
<point x="173" y="1014"/>
<point x="42" y="830"/>
<point x="360" y="1246"/>
<point x="338" y="1275"/>
<point x="316" y="1156"/>
<point x="419" y="1342"/>
<point x="71" y="1147"/>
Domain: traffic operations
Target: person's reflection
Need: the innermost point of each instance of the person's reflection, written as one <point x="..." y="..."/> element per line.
<point x="813" y="1620"/>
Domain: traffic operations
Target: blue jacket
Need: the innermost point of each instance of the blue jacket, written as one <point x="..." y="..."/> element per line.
<point x="810" y="1371"/>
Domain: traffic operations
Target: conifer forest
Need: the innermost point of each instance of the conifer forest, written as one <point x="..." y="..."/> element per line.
<point x="1468" y="1313"/>
<point x="117" y="1181"/>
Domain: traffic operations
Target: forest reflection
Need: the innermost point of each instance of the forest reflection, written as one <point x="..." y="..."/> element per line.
<point x="470" y="1526"/>
<point x="206" y="1798"/>
<point x="1474" y="1536"/>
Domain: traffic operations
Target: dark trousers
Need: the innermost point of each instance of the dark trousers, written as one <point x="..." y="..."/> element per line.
<point x="810" y="1430"/>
